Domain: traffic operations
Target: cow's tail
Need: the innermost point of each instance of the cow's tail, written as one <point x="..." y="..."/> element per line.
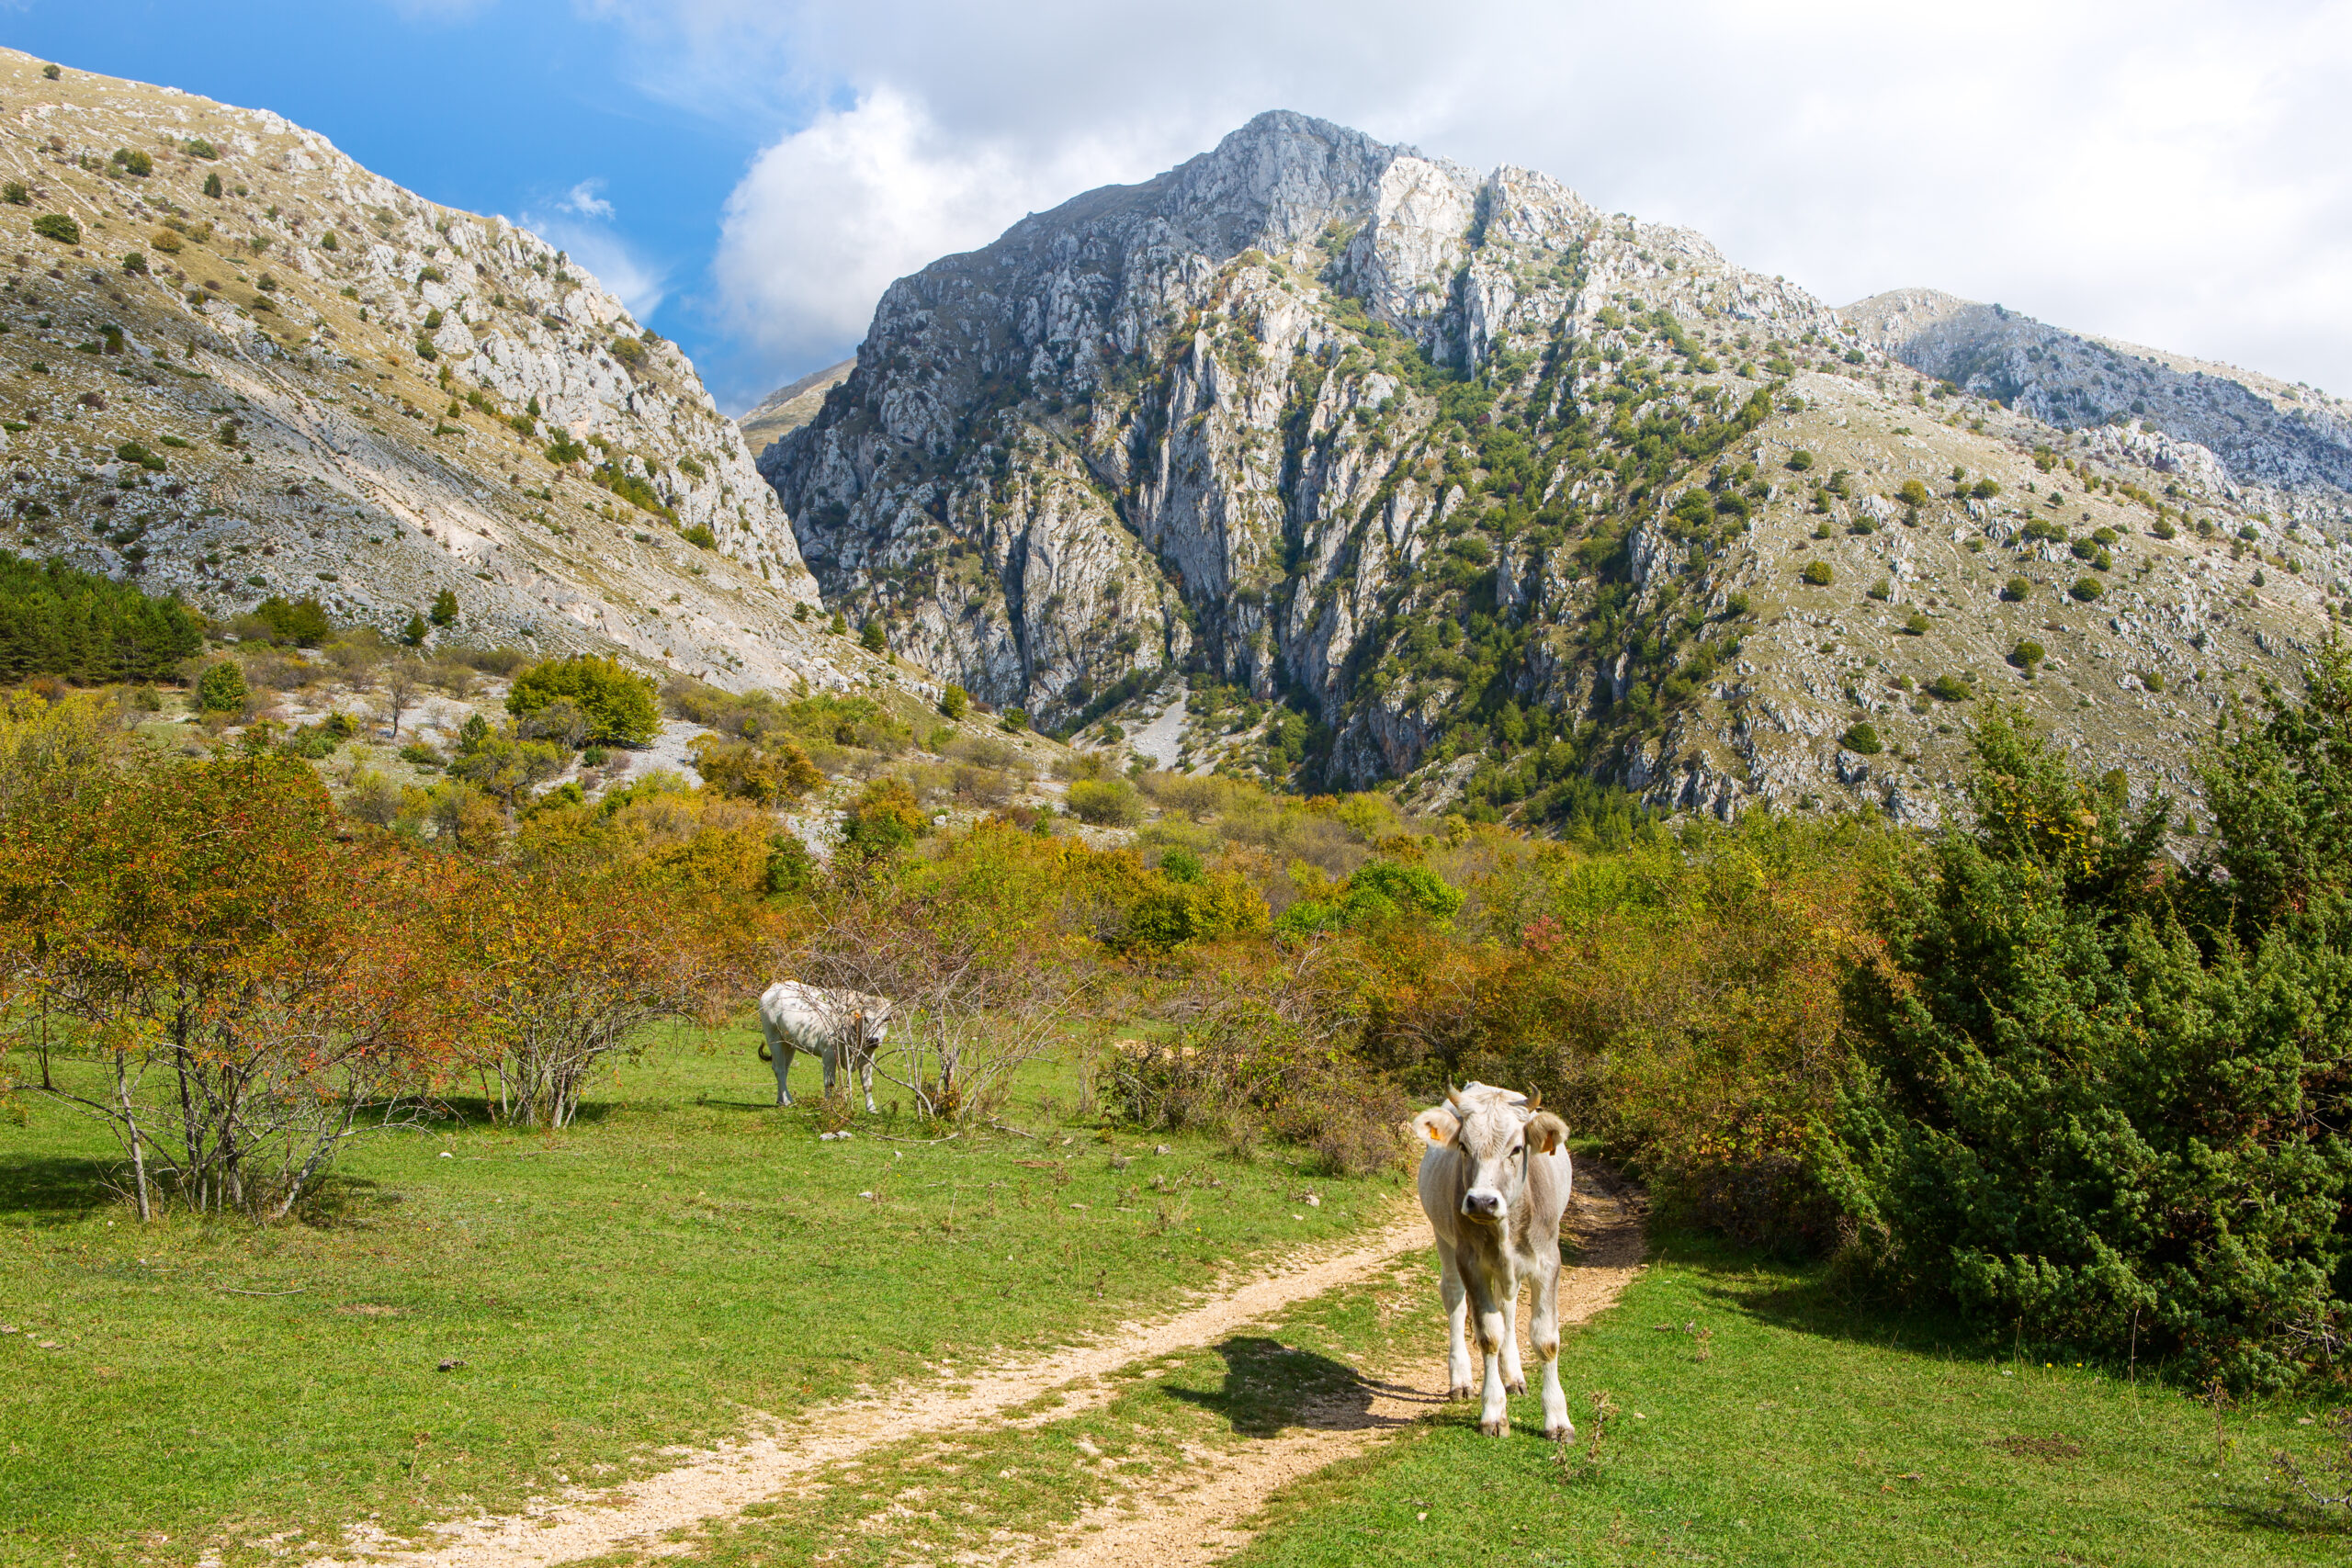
<point x="763" y="1051"/>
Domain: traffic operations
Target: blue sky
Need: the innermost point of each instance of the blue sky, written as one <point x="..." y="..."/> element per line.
<point x="751" y="173"/>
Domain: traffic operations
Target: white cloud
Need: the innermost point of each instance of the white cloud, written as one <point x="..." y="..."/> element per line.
<point x="2169" y="171"/>
<point x="829" y="216"/>
<point x="580" y="222"/>
<point x="583" y="201"/>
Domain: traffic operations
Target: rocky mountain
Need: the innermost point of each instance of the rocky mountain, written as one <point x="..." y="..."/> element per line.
<point x="791" y="406"/>
<point x="2289" y="447"/>
<point x="1405" y="471"/>
<point x="235" y="363"/>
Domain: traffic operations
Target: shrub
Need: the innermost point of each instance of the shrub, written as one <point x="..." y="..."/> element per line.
<point x="1204" y="907"/>
<point x="1800" y="460"/>
<point x="618" y="702"/>
<point x="872" y="637"/>
<point x="301" y="622"/>
<point x="1862" y="737"/>
<point x="1912" y="494"/>
<point x="57" y="227"/>
<point x="134" y="163"/>
<point x="839" y="625"/>
<point x="212" y="188"/>
<point x="414" y="632"/>
<point x="629" y="351"/>
<point x="700" y="537"/>
<point x="134" y="262"/>
<point x="766" y="773"/>
<point x="2088" y="1080"/>
<point x="2163" y="528"/>
<point x="221" y="688"/>
<point x="1949" y="689"/>
<point x="166" y="241"/>
<point x="954" y="701"/>
<point x="2028" y="654"/>
<point x="1380" y="890"/>
<point x="1014" y="720"/>
<point x="1915" y="624"/>
<point x="2087" y="589"/>
<point x="1734" y="605"/>
<point x="885" y="818"/>
<point x="2016" y="589"/>
<point x="1105" y="803"/>
<point x="327" y="241"/>
<point x="1882" y="589"/>
<point x="1817" y="572"/>
<point x="445" y="607"/>
<point x="198" y="147"/>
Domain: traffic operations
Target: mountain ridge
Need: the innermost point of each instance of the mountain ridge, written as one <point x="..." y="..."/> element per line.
<point x="1452" y="478"/>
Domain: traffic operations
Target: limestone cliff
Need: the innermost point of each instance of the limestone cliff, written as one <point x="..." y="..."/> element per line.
<point x="1414" y="472"/>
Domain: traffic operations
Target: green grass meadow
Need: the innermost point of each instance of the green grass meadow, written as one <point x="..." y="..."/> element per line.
<point x="1758" y="1418"/>
<point x="685" y="1253"/>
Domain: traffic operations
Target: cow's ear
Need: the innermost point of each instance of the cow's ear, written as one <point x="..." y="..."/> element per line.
<point x="1438" y="1125"/>
<point x="1547" y="1131"/>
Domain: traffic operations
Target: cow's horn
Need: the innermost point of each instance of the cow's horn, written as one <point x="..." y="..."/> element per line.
<point x="1535" y="1100"/>
<point x="1452" y="1095"/>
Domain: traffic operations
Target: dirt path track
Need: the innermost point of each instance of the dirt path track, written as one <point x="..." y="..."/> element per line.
<point x="1194" y="1525"/>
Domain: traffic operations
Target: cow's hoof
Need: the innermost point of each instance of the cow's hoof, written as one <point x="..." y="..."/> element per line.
<point x="1494" y="1428"/>
<point x="1460" y="1391"/>
<point x="1565" y="1433"/>
<point x="1518" y="1387"/>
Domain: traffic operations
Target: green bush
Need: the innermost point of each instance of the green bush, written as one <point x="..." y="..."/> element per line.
<point x="1014" y="720"/>
<point x="212" y="188"/>
<point x="631" y="352"/>
<point x="14" y="193"/>
<point x="1862" y="737"/>
<point x="132" y="162"/>
<point x="2100" y="1104"/>
<point x="1799" y="460"/>
<point x="1105" y="803"/>
<point x="1818" y="573"/>
<point x="700" y="537"/>
<point x="57" y="227"/>
<point x="1912" y="494"/>
<point x="1915" y="623"/>
<point x="619" y="703"/>
<point x="954" y="701"/>
<point x="445" y="607"/>
<point x="2163" y="528"/>
<point x="221" y="688"/>
<point x="1949" y="689"/>
<point x="2016" y="589"/>
<point x="198" y="147"/>
<point x="2087" y="589"/>
<point x="301" y="622"/>
<point x="885" y="817"/>
<point x="2027" y="655"/>
<point x="1380" y="890"/>
<point x="872" y="637"/>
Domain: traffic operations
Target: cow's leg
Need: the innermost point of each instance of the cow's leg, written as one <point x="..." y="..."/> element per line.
<point x="1556" y="1425"/>
<point x="865" y="1072"/>
<point x="828" y="1056"/>
<point x="780" y="1053"/>
<point x="1456" y="1298"/>
<point x="1494" y="1410"/>
<point x="1514" y="1379"/>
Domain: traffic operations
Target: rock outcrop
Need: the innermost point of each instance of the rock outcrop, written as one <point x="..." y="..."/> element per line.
<point x="791" y="406"/>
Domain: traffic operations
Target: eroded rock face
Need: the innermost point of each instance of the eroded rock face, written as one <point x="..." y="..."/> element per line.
<point x="1418" y="470"/>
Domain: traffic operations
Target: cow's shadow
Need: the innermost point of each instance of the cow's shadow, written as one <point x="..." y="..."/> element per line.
<point x="1270" y="1387"/>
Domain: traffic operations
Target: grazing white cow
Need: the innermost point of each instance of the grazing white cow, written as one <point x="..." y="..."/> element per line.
<point x="837" y="1027"/>
<point x="1494" y="1180"/>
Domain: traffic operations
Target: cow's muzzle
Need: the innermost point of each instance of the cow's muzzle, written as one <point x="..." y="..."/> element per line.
<point x="1482" y="1205"/>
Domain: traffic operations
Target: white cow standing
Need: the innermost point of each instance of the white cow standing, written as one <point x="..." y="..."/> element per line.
<point x="1493" y="1181"/>
<point x="836" y="1026"/>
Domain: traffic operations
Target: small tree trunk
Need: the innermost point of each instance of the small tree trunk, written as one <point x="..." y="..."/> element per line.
<point x="138" y="1155"/>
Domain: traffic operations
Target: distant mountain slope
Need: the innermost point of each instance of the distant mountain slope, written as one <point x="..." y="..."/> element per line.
<point x="788" y="408"/>
<point x="341" y="388"/>
<point x="2265" y="432"/>
<point x="1420" y="473"/>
